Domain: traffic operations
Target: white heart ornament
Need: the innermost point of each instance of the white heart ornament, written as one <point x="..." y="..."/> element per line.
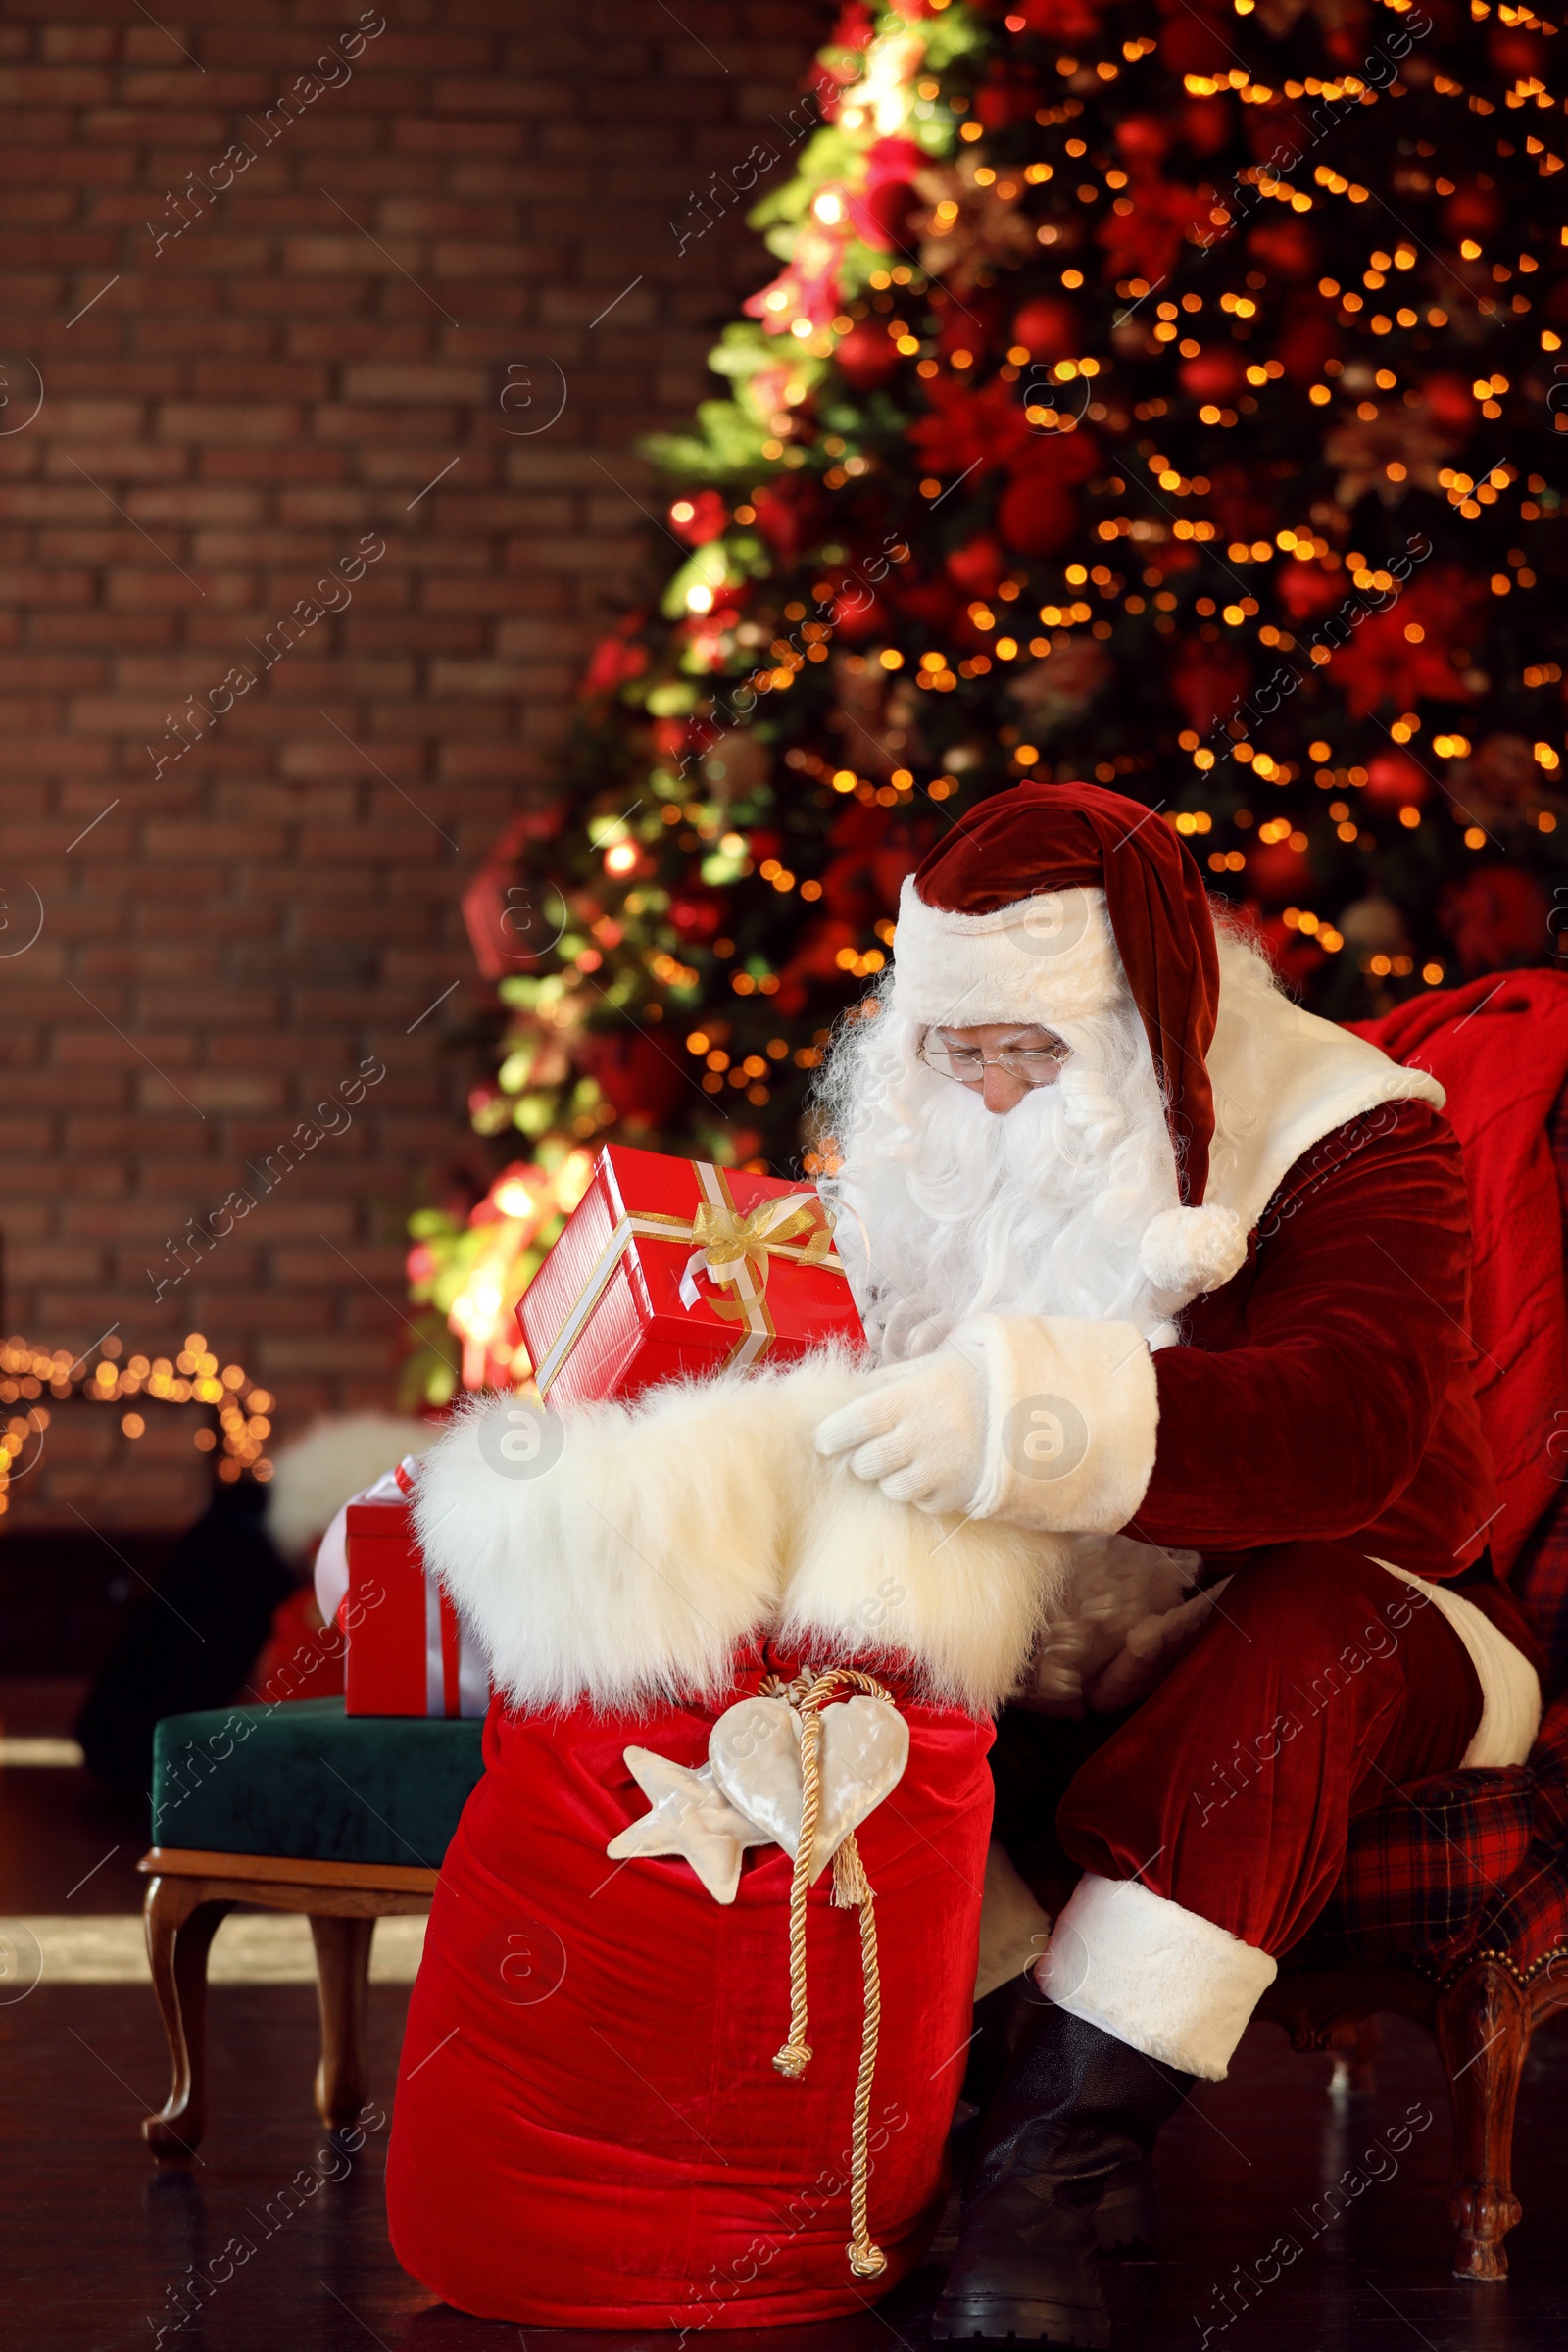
<point x="754" y="1750"/>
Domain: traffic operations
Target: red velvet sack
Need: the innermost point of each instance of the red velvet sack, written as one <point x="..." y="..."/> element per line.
<point x="590" y="2129"/>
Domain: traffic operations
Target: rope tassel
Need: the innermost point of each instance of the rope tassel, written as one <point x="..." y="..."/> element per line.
<point x="852" y="1891"/>
<point x="851" y="1885"/>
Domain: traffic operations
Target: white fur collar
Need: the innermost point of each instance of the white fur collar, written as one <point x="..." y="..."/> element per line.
<point x="1283" y="1079"/>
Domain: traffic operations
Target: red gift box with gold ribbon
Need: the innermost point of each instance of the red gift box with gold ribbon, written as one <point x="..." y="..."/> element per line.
<point x="670" y="1267"/>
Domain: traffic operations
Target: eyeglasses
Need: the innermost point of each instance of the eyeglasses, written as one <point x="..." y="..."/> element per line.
<point x="1030" y="1065"/>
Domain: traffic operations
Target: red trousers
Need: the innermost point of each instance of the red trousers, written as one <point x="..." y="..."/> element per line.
<point x="1321" y="1686"/>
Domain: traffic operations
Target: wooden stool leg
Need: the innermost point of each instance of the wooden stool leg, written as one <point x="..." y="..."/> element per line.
<point x="1483" y="2026"/>
<point x="1356" y="2074"/>
<point x="342" y="1976"/>
<point x="181" y="1922"/>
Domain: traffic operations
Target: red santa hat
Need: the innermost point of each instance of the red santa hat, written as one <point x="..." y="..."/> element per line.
<point x="1053" y="901"/>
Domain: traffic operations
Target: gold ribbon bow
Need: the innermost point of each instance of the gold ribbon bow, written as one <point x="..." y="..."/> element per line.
<point x="729" y="1241"/>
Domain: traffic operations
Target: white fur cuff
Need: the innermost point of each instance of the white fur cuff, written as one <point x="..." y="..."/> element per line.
<point x="1071" y="1415"/>
<point x="1165" y="1981"/>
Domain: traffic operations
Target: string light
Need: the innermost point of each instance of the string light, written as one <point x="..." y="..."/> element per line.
<point x="106" y="1375"/>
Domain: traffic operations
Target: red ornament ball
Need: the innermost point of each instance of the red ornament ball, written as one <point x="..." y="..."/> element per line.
<point x="1206" y="125"/>
<point x="1393" y="781"/>
<point x="697" y="517"/>
<point x="1308" y="340"/>
<point x="1048" y="330"/>
<point x="1308" y="591"/>
<point x="1036" y="515"/>
<point x="1207" y="682"/>
<point x="1286" y="248"/>
<point x="1497" y="917"/>
<point x="1279" y="874"/>
<point x="698" y="914"/>
<point x="978" y="567"/>
<point x="641" y="1078"/>
<point x="1451" y="402"/>
<point x="1215" y="375"/>
<point x="790" y="512"/>
<point x="857" y="616"/>
<point x="1144" y="138"/>
<point x="866" y="357"/>
<point x="880" y="217"/>
<point x="1473" y="212"/>
<point x="1517" y="54"/>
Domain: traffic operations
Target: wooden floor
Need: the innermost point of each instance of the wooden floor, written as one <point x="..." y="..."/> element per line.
<point x="98" y="2240"/>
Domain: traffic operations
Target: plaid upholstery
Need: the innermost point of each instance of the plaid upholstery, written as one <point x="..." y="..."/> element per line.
<point x="1471" y="1862"/>
<point x="1464" y="1863"/>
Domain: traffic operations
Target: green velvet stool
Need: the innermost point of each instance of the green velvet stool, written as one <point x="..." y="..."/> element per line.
<point x="296" y="1807"/>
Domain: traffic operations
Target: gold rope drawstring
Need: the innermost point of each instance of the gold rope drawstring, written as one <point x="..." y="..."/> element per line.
<point x="851" y="1890"/>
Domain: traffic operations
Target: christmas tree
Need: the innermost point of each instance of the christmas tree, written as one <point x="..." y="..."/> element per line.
<point x="1157" y="393"/>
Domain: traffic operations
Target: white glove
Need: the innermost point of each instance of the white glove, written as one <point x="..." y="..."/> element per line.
<point x="1153" y="1646"/>
<point x="1104" y="1639"/>
<point x="916" y="1431"/>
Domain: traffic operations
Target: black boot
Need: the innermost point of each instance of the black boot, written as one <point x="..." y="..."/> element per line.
<point x="1005" y="2019"/>
<point x="1075" y="2107"/>
<point x="1128" y="2212"/>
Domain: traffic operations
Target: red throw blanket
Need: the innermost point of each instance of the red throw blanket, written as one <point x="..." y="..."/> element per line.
<point x="1500" y="1047"/>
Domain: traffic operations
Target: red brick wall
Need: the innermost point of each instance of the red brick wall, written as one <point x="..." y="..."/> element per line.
<point x="225" y="414"/>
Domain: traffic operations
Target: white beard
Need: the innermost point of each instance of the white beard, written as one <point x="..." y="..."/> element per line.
<point x="946" y="1210"/>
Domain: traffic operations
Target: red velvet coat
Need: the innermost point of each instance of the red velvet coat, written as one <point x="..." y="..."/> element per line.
<point x="1326" y="1391"/>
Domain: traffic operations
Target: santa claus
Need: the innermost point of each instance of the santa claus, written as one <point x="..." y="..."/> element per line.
<point x="1150" y="1252"/>
<point x="1167" y="1453"/>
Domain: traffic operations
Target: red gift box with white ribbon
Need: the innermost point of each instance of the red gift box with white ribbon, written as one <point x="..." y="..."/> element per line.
<point x="670" y="1267"/>
<point x="407" y="1652"/>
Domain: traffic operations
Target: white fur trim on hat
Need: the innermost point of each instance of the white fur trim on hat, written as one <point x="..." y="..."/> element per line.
<point x="1164" y="1980"/>
<point x="1192" y="1250"/>
<point x="1048" y="959"/>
